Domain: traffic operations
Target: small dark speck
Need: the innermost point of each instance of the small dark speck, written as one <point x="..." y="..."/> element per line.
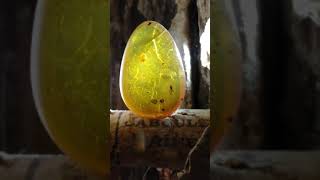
<point x="161" y="100"/>
<point x="154" y="101"/>
<point x="149" y="23"/>
<point x="171" y="90"/>
<point x="230" y="119"/>
<point x="162" y="109"/>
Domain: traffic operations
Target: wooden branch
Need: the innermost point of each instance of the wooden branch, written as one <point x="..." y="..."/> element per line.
<point x="159" y="143"/>
<point x="265" y="165"/>
<point x="40" y="167"/>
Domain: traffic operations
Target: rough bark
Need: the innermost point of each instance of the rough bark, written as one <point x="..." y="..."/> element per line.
<point x="158" y="143"/>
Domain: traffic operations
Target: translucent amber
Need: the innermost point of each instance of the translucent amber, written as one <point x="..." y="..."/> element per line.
<point x="152" y="80"/>
<point x="226" y="72"/>
<point x="69" y="71"/>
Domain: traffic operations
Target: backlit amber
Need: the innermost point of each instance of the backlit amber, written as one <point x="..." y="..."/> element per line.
<point x="152" y="80"/>
<point x="69" y="70"/>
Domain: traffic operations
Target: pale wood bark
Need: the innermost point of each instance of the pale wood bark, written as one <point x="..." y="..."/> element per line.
<point x="158" y="143"/>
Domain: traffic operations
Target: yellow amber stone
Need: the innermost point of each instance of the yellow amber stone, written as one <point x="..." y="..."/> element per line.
<point x="152" y="79"/>
<point x="69" y="75"/>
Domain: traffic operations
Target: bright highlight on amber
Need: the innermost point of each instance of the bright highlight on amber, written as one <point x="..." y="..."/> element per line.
<point x="152" y="80"/>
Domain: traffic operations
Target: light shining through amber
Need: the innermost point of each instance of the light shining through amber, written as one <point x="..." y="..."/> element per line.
<point x="152" y="79"/>
<point x="69" y="72"/>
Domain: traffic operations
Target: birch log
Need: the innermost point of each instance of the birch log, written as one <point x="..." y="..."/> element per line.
<point x="158" y="143"/>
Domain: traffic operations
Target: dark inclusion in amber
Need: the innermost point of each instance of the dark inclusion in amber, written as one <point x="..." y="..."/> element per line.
<point x="152" y="80"/>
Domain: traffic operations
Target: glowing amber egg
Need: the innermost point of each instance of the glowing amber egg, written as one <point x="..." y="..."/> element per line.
<point x="152" y="80"/>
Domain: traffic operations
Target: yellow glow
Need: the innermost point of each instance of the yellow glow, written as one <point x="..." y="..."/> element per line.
<point x="152" y="80"/>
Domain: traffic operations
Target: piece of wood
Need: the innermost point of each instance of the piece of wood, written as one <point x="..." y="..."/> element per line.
<point x="158" y="143"/>
<point x="265" y="165"/>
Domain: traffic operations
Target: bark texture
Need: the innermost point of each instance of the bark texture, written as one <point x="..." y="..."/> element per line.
<point x="157" y="143"/>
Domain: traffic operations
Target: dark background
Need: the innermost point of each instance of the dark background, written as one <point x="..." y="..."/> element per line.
<point x="20" y="127"/>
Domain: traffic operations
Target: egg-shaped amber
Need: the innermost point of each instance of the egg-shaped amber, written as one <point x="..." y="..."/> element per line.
<point x="152" y="79"/>
<point x="69" y="75"/>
